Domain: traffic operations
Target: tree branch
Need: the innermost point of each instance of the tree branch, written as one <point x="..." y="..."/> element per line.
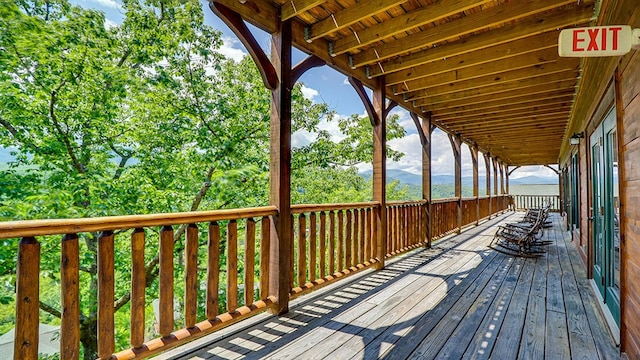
<point x="151" y="268"/>
<point x="50" y="309"/>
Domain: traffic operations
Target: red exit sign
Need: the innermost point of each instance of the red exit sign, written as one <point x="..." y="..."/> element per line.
<point x="613" y="40"/>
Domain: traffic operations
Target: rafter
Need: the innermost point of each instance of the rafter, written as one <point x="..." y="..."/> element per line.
<point x="340" y="20"/>
<point x="534" y="90"/>
<point x="495" y="89"/>
<point x="559" y="103"/>
<point x="529" y="46"/>
<point x="535" y="25"/>
<point x="400" y="24"/>
<point x="292" y="8"/>
<point x="497" y="105"/>
<point x="460" y="80"/>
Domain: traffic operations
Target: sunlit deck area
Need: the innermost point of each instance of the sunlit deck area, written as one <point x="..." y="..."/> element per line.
<point x="459" y="299"/>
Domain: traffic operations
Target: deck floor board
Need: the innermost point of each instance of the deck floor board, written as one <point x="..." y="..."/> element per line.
<point x="459" y="299"/>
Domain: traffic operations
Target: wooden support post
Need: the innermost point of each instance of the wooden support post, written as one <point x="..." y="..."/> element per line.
<point x="487" y="165"/>
<point x="474" y="162"/>
<point x="377" y="116"/>
<point x="501" y="169"/>
<point x="495" y="175"/>
<point x="424" y="132"/>
<point x="281" y="261"/>
<point x="380" y="168"/>
<point x="456" y="143"/>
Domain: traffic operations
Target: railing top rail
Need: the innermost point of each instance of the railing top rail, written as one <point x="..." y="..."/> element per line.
<point x="441" y="201"/>
<point x="305" y="208"/>
<point x="30" y="228"/>
<point x="406" y="202"/>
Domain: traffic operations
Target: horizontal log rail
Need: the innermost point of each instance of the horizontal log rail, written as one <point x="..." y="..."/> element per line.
<point x="331" y="241"/>
<point x="30" y="228"/>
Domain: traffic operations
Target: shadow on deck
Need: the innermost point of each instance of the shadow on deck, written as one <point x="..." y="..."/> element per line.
<point x="457" y="300"/>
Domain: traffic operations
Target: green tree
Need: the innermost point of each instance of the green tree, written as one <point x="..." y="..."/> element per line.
<point x="144" y="117"/>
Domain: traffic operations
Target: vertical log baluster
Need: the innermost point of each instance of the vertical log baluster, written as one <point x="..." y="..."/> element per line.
<point x="312" y="247"/>
<point x="292" y="253"/>
<point x="302" y="246"/>
<point x="27" y="300"/>
<point x="232" y="265"/>
<point x="375" y="247"/>
<point x="265" y="250"/>
<point x="166" y="281"/>
<point x="249" y="261"/>
<point x="367" y="237"/>
<point x="69" y="287"/>
<point x="389" y="237"/>
<point x="213" y="270"/>
<point x="348" y="239"/>
<point x="106" y="295"/>
<point x="191" y="276"/>
<point x="363" y="238"/>
<point x="355" y="239"/>
<point x="332" y="243"/>
<point x="138" y="279"/>
<point x="323" y="244"/>
<point x="340" y="244"/>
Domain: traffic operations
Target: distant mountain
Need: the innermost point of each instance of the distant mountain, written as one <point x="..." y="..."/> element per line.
<point x="406" y="177"/>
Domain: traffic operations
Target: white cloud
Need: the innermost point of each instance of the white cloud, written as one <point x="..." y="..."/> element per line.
<point x="108" y="24"/>
<point x="112" y="4"/>
<point x="309" y="93"/>
<point x="229" y="50"/>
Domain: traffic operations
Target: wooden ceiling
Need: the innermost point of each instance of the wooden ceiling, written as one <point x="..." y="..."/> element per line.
<point x="487" y="70"/>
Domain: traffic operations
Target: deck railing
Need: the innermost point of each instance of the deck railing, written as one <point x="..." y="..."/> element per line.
<point x="523" y="202"/>
<point x="329" y="242"/>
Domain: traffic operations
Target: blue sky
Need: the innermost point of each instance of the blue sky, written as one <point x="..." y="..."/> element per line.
<point x="327" y="85"/>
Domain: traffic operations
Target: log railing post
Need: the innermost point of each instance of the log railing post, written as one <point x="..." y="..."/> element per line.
<point x="487" y="165"/>
<point x="457" y="156"/>
<point x="27" y="300"/>
<point x="380" y="167"/>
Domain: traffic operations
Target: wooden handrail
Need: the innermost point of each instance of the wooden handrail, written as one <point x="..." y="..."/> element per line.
<point x="29" y="228"/>
<point x="306" y="208"/>
<point x="406" y="202"/>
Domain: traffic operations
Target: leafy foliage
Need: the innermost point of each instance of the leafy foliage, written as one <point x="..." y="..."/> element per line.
<point x="144" y="117"/>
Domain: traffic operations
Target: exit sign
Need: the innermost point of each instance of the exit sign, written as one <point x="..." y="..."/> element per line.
<point x="596" y="41"/>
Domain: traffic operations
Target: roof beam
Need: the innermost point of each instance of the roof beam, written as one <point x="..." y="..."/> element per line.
<point x="528" y="46"/>
<point x="566" y="101"/>
<point x="340" y="20"/>
<point x="534" y="90"/>
<point x="419" y="17"/>
<point x="535" y="25"/>
<point x="526" y="100"/>
<point x="529" y="66"/>
<point x="515" y="116"/>
<point x="496" y="88"/>
<point x="451" y="31"/>
<point x="292" y="8"/>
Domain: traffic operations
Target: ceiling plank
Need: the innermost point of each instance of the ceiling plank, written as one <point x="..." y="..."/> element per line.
<point x="494" y="89"/>
<point x="487" y="112"/>
<point x="536" y="25"/>
<point x="466" y="91"/>
<point x="526" y="46"/>
<point x="291" y="8"/>
<point x="552" y="97"/>
<point x="402" y="23"/>
<point x="451" y="31"/>
<point x="522" y="63"/>
<point x="518" y="116"/>
<point x="340" y="20"/>
<point x="259" y="13"/>
<point x="534" y="90"/>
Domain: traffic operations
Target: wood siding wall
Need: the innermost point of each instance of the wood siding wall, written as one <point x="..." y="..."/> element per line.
<point x="598" y="94"/>
<point x="629" y="102"/>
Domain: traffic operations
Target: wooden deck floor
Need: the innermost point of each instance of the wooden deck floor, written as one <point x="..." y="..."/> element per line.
<point x="459" y="300"/>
